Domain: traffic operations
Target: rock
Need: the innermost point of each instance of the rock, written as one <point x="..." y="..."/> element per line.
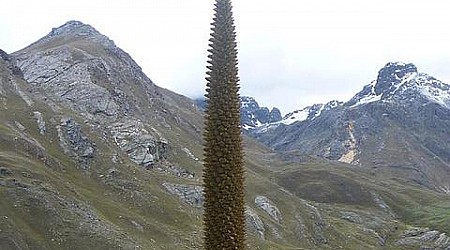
<point x="66" y="81"/>
<point x="381" y="240"/>
<point x="391" y="75"/>
<point x="137" y="226"/>
<point x="40" y="121"/>
<point x="275" y="115"/>
<point x="78" y="29"/>
<point x="4" y="56"/>
<point x="253" y="223"/>
<point x="300" y="228"/>
<point x="381" y="204"/>
<point x="191" y="194"/>
<point x="318" y="225"/>
<point x="141" y="146"/>
<point x="252" y="115"/>
<point x="424" y="238"/>
<point x="352" y="217"/>
<point x="169" y="168"/>
<point x="74" y="142"/>
<point x="113" y="172"/>
<point x="10" y="64"/>
<point x="5" y="171"/>
<point x="275" y="232"/>
<point x="443" y="241"/>
<point x="19" y="126"/>
<point x="189" y="154"/>
<point x="267" y="206"/>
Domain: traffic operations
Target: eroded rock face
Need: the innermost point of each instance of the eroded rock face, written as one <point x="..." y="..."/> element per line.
<point x="318" y="225"/>
<point x="424" y="238"/>
<point x="141" y="146"/>
<point x="191" y="194"/>
<point x="253" y="223"/>
<point x="74" y="142"/>
<point x="252" y="115"/>
<point x="392" y="74"/>
<point x="351" y="216"/>
<point x="268" y="206"/>
<point x="64" y="75"/>
<point x="40" y="122"/>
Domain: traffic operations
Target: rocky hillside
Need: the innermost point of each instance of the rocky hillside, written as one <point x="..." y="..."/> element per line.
<point x="398" y="124"/>
<point x="94" y="155"/>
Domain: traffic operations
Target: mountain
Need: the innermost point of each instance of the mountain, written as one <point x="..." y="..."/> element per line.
<point x="94" y="155"/>
<point x="398" y="125"/>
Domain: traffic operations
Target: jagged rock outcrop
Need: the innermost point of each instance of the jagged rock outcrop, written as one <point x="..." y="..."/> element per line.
<point x="318" y="225"/>
<point x="267" y="206"/>
<point x="6" y="58"/>
<point x="424" y="238"/>
<point x="40" y="122"/>
<point x="391" y="75"/>
<point x="254" y="223"/>
<point x="252" y="115"/>
<point x="351" y="216"/>
<point x="140" y="145"/>
<point x="74" y="142"/>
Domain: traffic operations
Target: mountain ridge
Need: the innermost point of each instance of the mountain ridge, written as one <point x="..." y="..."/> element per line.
<point x="399" y="101"/>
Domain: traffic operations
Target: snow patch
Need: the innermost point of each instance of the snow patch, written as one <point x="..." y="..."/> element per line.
<point x="367" y="99"/>
<point x="406" y="79"/>
<point x="296" y="116"/>
<point x="436" y="95"/>
<point x="247" y="127"/>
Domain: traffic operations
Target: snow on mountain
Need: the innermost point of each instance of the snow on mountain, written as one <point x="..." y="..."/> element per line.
<point x="432" y="89"/>
<point x="307" y="113"/>
<point x="396" y="82"/>
<point x="296" y="116"/>
<point x="254" y="116"/>
<point x="399" y="81"/>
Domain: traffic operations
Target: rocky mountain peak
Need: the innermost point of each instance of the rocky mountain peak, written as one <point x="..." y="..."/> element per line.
<point x="73" y="28"/>
<point x="252" y="115"/>
<point x="402" y="82"/>
<point x="72" y="31"/>
<point x="393" y="74"/>
<point x="6" y="58"/>
<point x="4" y="55"/>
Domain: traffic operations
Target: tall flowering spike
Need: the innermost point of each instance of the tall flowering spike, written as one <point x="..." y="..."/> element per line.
<point x="224" y="219"/>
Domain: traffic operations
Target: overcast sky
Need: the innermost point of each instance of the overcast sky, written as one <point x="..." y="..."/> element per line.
<point x="292" y="53"/>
